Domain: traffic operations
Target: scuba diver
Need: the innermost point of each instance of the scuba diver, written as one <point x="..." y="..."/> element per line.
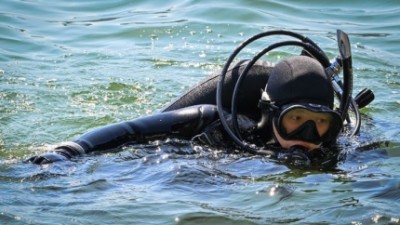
<point x="284" y="111"/>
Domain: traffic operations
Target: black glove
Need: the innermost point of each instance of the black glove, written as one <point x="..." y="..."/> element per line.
<point x="46" y="158"/>
<point x="61" y="153"/>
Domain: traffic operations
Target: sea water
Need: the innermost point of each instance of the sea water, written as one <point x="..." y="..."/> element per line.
<point x="70" y="66"/>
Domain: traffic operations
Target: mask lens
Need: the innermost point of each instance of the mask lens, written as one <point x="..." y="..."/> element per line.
<point x="294" y="118"/>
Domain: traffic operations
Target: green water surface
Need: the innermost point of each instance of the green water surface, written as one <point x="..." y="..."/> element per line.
<point x="69" y="66"/>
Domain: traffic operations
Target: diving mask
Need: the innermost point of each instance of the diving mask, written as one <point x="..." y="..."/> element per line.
<point x="312" y="123"/>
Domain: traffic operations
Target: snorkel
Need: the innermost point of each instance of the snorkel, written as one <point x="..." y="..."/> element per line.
<point x="345" y="53"/>
<point x="343" y="91"/>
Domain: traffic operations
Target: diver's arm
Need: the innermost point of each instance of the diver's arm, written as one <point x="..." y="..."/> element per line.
<point x="182" y="123"/>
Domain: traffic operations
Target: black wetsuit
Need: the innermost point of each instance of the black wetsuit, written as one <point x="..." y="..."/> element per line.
<point x="194" y="114"/>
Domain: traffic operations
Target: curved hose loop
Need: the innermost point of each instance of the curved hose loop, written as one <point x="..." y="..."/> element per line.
<point x="310" y="48"/>
<point x="356" y="110"/>
<point x="338" y="87"/>
<point x="220" y="84"/>
<point x="357" y="115"/>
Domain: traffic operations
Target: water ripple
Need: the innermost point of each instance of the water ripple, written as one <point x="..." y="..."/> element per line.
<point x="70" y="66"/>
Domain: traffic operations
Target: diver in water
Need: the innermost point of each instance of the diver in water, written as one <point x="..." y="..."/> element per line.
<point x="285" y="111"/>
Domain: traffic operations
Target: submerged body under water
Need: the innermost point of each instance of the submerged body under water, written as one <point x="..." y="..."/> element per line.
<point x="68" y="67"/>
<point x="175" y="182"/>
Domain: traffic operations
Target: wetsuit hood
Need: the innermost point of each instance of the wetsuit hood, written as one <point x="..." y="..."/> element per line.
<point x="300" y="79"/>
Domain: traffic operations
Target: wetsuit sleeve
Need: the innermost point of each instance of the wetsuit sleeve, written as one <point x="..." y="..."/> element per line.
<point x="182" y="123"/>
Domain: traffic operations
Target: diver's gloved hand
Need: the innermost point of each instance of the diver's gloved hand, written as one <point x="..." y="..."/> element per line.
<point x="46" y="158"/>
<point x="61" y="153"/>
